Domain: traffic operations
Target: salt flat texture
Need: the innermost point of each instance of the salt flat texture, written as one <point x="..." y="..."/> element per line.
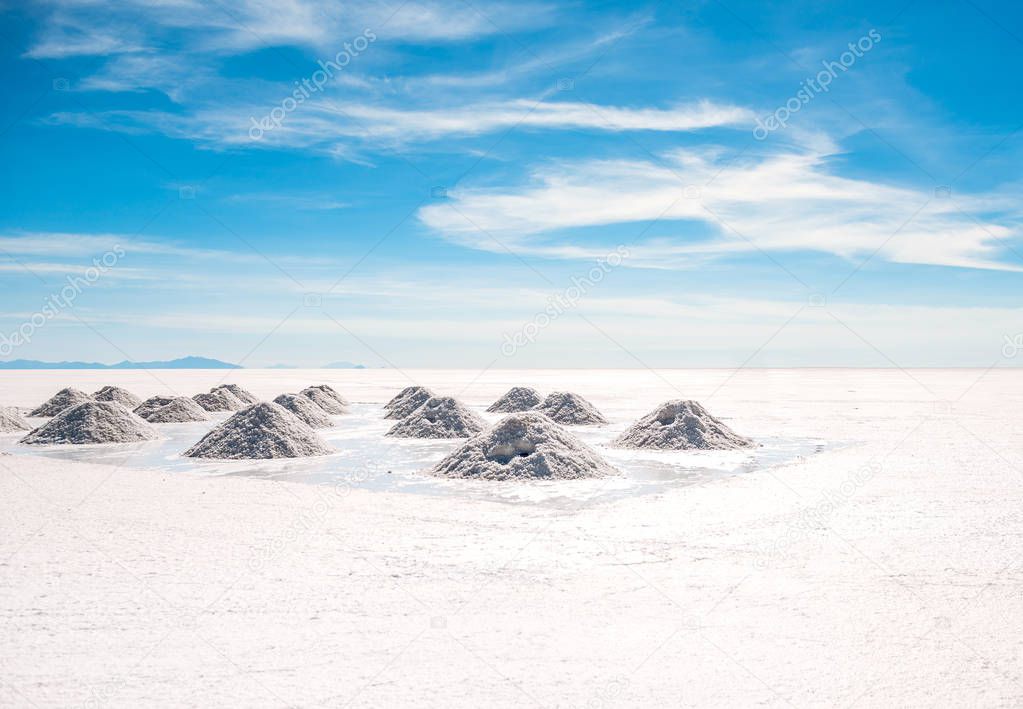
<point x="307" y="410"/>
<point x="242" y="394"/>
<point x="681" y="425"/>
<point x="260" y="431"/>
<point x="524" y="446"/>
<point x="570" y="409"/>
<point x="115" y="393"/>
<point x="410" y="399"/>
<point x="885" y="573"/>
<point x="60" y="401"/>
<point x="179" y="410"/>
<point x="11" y="421"/>
<point x="323" y="399"/>
<point x="93" y="422"/>
<point x="439" y="417"/>
<point x="152" y="404"/>
<point x="219" y="399"/>
<point x="516" y="399"/>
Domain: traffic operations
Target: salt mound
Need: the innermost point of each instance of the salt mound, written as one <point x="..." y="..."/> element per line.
<point x="121" y="396"/>
<point x="60" y="401"/>
<point x="410" y="399"/>
<point x="402" y="395"/>
<point x="439" y="417"/>
<point x="526" y="446"/>
<point x="93" y="422"/>
<point x="219" y="400"/>
<point x="260" y="431"/>
<point x="516" y="399"/>
<point x="180" y="410"/>
<point x="568" y="408"/>
<point x="152" y="404"/>
<point x="324" y="400"/>
<point x="11" y="421"/>
<point x="681" y="425"/>
<point x="331" y="392"/>
<point x="305" y="409"/>
<point x="243" y="395"/>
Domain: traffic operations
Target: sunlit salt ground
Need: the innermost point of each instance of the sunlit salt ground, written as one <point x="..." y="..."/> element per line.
<point x="366" y="458"/>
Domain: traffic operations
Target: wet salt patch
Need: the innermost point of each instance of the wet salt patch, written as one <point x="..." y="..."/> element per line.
<point x="367" y="459"/>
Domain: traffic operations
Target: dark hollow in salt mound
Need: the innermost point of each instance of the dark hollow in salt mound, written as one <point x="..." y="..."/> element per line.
<point x="60" y="401"/>
<point x="331" y="392"/>
<point x="305" y="409"/>
<point x="681" y="425"/>
<point x="516" y="399"/>
<point x="525" y="446"/>
<point x="570" y="409"/>
<point x="411" y="399"/>
<point x="439" y="417"/>
<point x="152" y="404"/>
<point x="180" y="410"/>
<point x="121" y="396"/>
<point x="324" y="400"/>
<point x="11" y="421"/>
<point x="260" y="431"/>
<point x="243" y="395"/>
<point x="219" y="400"/>
<point x="93" y="422"/>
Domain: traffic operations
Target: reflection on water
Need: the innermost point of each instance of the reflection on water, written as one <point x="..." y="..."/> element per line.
<point x="368" y="459"/>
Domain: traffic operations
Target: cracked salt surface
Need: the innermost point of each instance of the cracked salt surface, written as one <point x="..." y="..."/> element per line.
<point x="368" y="459"/>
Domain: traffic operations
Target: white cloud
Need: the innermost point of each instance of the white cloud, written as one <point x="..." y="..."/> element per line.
<point x="89" y="246"/>
<point x="780" y="202"/>
<point x="95" y="28"/>
<point x="320" y="125"/>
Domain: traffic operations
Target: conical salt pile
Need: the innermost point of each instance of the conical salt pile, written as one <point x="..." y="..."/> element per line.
<point x="93" y="422"/>
<point x="152" y="404"/>
<point x="305" y="409"/>
<point x="263" y="430"/>
<point x="410" y="399"/>
<point x="331" y="392"/>
<point x="219" y="400"/>
<point x="439" y="417"/>
<point x="121" y="396"/>
<point x="324" y="400"/>
<point x="60" y="401"/>
<point x="402" y="395"/>
<point x="180" y="410"/>
<point x="244" y="395"/>
<point x="681" y="425"/>
<point x="11" y="421"/>
<point x="516" y="399"/>
<point x="526" y="446"/>
<point x="571" y="409"/>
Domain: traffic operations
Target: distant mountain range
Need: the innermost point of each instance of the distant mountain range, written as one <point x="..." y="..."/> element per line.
<point x="182" y="363"/>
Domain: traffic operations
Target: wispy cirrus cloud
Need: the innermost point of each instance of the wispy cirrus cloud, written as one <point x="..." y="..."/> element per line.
<point x="778" y="202"/>
<point x="94" y="28"/>
<point x="322" y="126"/>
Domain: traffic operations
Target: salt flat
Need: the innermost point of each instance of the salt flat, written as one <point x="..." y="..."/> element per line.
<point x="883" y="570"/>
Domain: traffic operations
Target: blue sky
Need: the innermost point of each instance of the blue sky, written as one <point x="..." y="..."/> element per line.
<point x="422" y="183"/>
